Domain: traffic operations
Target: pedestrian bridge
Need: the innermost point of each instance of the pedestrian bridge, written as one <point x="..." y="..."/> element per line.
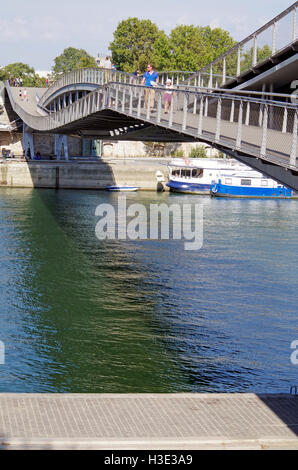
<point x="258" y="128"/>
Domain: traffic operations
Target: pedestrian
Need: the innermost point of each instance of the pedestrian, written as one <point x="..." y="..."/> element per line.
<point x="25" y="95"/>
<point x="107" y="66"/>
<point x="150" y="79"/>
<point x="20" y="94"/>
<point x="47" y="82"/>
<point x="107" y="63"/>
<point x="168" y="95"/>
<point x="21" y="81"/>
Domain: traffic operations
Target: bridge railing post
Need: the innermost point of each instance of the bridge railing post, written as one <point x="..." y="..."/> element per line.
<point x="218" y="120"/>
<point x="148" y="98"/>
<point x="172" y="110"/>
<point x="130" y="100"/>
<point x="274" y="32"/>
<point x="117" y="97"/>
<point x="140" y="92"/>
<point x="285" y="121"/>
<point x="206" y="106"/>
<point x="247" y="118"/>
<point x="224" y="70"/>
<point x="200" y="124"/>
<point x="159" y="105"/>
<point x="239" y="128"/>
<point x="238" y="61"/>
<point x="293" y="156"/>
<point x="294" y="34"/>
<point x="185" y="106"/>
<point x="265" y="131"/>
<point x="123" y="99"/>
<point x="255" y="51"/>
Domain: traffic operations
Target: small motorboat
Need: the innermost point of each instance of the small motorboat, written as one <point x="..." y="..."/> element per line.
<point x="122" y="187"/>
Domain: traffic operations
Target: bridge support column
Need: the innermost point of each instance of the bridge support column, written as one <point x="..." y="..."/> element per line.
<point x="61" y="142"/>
<point x="28" y="144"/>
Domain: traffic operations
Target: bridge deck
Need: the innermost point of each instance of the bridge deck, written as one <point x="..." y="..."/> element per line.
<point x="148" y="421"/>
<point x="29" y="105"/>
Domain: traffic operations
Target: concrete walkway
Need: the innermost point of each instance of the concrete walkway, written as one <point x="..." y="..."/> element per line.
<point x="30" y="104"/>
<point x="148" y="421"/>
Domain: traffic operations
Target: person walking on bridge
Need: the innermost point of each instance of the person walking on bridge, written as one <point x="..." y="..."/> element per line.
<point x="150" y="79"/>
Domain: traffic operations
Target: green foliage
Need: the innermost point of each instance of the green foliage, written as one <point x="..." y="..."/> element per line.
<point x="247" y="57"/>
<point x="72" y="59"/>
<point x="18" y="69"/>
<point x="188" y="47"/>
<point x="87" y="62"/>
<point x="178" y="153"/>
<point x="133" y="44"/>
<point x="188" y="50"/>
<point x="28" y="75"/>
<point x="162" y="56"/>
<point x="198" y="151"/>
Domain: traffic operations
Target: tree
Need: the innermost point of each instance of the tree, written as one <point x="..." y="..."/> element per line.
<point x="162" y="56"/>
<point x="247" y="57"/>
<point x="133" y="44"/>
<point x="16" y="70"/>
<point x="188" y="48"/>
<point x="72" y="59"/>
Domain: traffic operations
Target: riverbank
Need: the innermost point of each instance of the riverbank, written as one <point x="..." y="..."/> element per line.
<point x="78" y="174"/>
<point x="148" y="421"/>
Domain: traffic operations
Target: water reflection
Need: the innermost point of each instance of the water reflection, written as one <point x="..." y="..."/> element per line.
<point x="80" y="315"/>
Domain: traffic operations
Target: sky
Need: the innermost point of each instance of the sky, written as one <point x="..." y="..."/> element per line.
<point x="35" y="31"/>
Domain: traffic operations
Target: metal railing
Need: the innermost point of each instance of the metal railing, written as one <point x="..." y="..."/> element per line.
<point x="258" y="127"/>
<point x="96" y="76"/>
<point x="274" y="36"/>
<point x="179" y="78"/>
<point x="261" y="128"/>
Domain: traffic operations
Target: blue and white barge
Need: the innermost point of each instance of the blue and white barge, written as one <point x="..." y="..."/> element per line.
<point x="252" y="185"/>
<point x="195" y="176"/>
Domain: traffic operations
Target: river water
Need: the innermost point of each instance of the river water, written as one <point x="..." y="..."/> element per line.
<point x="83" y="315"/>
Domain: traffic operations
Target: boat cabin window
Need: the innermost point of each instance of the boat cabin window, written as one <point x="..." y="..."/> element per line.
<point x="245" y="182"/>
<point x="176" y="172"/>
<point x="264" y="183"/>
<point x="228" y="181"/>
<point x="197" y="172"/>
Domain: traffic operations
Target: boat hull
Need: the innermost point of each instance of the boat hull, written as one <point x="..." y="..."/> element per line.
<point x="221" y="190"/>
<point x="189" y="188"/>
<point x="122" y="188"/>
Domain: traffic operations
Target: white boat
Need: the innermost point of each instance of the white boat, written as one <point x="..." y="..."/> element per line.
<point x="250" y="185"/>
<point x="195" y="176"/>
<point x="122" y="188"/>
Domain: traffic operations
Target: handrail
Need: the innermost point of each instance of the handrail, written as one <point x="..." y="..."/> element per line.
<point x="239" y="47"/>
<point x="92" y="75"/>
<point x="261" y="128"/>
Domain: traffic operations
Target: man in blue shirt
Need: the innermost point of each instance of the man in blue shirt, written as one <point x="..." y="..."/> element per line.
<point x="150" y="78"/>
